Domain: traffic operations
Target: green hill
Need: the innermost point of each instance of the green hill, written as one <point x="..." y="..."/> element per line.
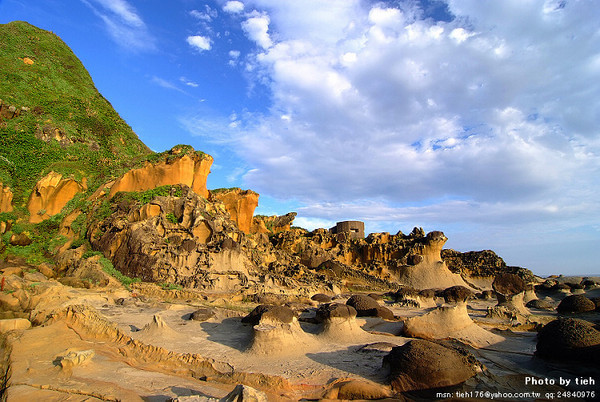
<point x="67" y="125"/>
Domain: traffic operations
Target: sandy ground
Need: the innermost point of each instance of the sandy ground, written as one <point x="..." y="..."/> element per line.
<point x="308" y="364"/>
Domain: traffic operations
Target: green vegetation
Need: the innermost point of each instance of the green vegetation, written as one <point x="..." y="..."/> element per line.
<point x="108" y="267"/>
<point x="172" y="218"/>
<point x="224" y="190"/>
<point x="170" y="286"/>
<point x="62" y="102"/>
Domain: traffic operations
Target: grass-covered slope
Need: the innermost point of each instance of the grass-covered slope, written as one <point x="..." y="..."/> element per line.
<point x="62" y="101"/>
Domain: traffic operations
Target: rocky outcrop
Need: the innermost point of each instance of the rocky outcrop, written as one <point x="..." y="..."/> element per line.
<point x="239" y="203"/>
<point x="272" y="224"/>
<point x="180" y="165"/>
<point x="51" y="194"/>
<point x="185" y="240"/>
<point x="10" y="111"/>
<point x="6" y="197"/>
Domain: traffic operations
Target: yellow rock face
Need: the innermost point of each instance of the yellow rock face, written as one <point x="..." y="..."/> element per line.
<point x="188" y="170"/>
<point x="6" y="197"/>
<point x="240" y="204"/>
<point x="50" y="195"/>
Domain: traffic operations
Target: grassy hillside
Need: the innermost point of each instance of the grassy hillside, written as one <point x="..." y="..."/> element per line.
<point x="62" y="102"/>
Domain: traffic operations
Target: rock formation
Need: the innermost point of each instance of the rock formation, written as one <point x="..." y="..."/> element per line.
<point x="420" y="365"/>
<point x="6" y="197"/>
<point x="449" y="322"/>
<point x="50" y="195"/>
<point x="569" y="339"/>
<point x="272" y="224"/>
<point x="180" y="165"/>
<point x="239" y="203"/>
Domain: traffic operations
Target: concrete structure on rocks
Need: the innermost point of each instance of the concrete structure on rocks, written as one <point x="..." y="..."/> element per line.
<point x="356" y="229"/>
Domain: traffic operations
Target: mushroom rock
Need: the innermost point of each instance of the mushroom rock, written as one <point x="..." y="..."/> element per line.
<point x="510" y="292"/>
<point x="50" y="195"/>
<point x="429" y="270"/>
<point x="450" y="322"/>
<point x="420" y="365"/>
<point x="240" y="204"/>
<point x="277" y="332"/>
<point x="191" y="169"/>
<point x="6" y="197"/>
<point x="339" y="322"/>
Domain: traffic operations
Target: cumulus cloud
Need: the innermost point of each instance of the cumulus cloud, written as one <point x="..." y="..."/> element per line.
<point x="200" y="43"/>
<point x="256" y="27"/>
<point x="123" y="23"/>
<point x="488" y="114"/>
<point x="233" y="7"/>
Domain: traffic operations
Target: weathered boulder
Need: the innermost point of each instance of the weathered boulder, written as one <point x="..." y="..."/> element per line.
<point x="539" y="304"/>
<point x="420" y="365"/>
<point x="239" y="203"/>
<point x="50" y="195"/>
<point x="569" y="339"/>
<point x="20" y="239"/>
<point x="6" y="197"/>
<point x="352" y="389"/>
<point x="282" y="314"/>
<point x="335" y="310"/>
<point x="202" y="314"/>
<point x="507" y="285"/>
<point x="364" y="305"/>
<point x="457" y="294"/>
<point x="575" y="304"/>
<point x="321" y="298"/>
<point x="180" y="165"/>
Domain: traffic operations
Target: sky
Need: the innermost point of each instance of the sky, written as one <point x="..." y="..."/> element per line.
<point x="479" y="118"/>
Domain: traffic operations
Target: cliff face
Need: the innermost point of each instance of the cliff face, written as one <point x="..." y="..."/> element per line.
<point x="179" y="167"/>
<point x="240" y="204"/>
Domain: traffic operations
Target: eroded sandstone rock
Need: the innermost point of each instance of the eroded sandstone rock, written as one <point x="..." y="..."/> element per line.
<point x="6" y="197"/>
<point x="240" y="204"/>
<point x="420" y="365"/>
<point x="50" y="195"/>
<point x="180" y="166"/>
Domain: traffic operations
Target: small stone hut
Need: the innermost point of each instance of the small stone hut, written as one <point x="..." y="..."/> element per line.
<point x="356" y="229"/>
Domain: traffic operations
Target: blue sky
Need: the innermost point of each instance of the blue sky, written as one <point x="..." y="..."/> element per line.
<point x="477" y="118"/>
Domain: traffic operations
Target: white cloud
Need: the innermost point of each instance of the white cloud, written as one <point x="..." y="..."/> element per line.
<point x="123" y="23"/>
<point x="233" y="7"/>
<point x="165" y="84"/>
<point x="200" y="43"/>
<point x="188" y="82"/>
<point x="206" y="16"/>
<point x="490" y="117"/>
<point x="257" y="29"/>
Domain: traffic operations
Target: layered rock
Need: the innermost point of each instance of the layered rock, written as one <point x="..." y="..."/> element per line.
<point x="6" y="197"/>
<point x="239" y="203"/>
<point x="181" y="165"/>
<point x="51" y="194"/>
